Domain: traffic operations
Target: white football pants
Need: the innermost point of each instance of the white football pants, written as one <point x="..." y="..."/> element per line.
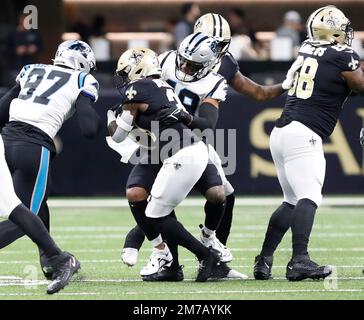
<point x="299" y="159"/>
<point x="176" y="178"/>
<point x="8" y="199"/>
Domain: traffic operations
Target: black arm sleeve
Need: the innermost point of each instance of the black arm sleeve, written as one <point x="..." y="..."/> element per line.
<point x="206" y="119"/>
<point x="5" y="103"/>
<point x="88" y="119"/>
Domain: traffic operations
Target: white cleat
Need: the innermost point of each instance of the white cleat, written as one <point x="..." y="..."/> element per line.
<point x="233" y="274"/>
<point x="212" y="241"/>
<point x="157" y="260"/>
<point x="130" y="256"/>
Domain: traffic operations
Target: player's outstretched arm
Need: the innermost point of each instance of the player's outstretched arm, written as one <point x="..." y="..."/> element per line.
<point x="258" y="92"/>
<point x="262" y="93"/>
<point x="5" y="101"/>
<point x="88" y="119"/>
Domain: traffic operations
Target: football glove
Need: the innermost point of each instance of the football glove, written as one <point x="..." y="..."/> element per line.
<point x="362" y="137"/>
<point x="291" y="74"/>
<point x="171" y="115"/>
<point x="111" y="116"/>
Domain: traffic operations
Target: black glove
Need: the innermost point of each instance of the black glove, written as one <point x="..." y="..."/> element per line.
<point x="362" y="137"/>
<point x="170" y="115"/>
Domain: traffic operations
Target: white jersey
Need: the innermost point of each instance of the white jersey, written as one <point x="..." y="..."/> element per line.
<point x="48" y="95"/>
<point x="193" y="93"/>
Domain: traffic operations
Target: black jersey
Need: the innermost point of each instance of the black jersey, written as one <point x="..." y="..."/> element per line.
<point x="227" y="67"/>
<point x="320" y="91"/>
<point x="157" y="94"/>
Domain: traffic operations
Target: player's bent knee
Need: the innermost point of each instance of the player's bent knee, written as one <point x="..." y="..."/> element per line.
<point x="215" y="194"/>
<point x="136" y="194"/>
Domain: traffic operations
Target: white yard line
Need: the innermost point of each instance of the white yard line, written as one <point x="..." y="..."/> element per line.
<point x="188" y="292"/>
<point x="191" y="202"/>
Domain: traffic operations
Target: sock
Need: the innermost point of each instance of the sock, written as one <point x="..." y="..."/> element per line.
<point x="223" y="230"/>
<point x="173" y="229"/>
<point x="172" y="244"/>
<point x="213" y="214"/>
<point x="134" y="238"/>
<point x="35" y="230"/>
<point x="9" y="232"/>
<point x="302" y="221"/>
<point x="279" y="223"/>
<point x="148" y="225"/>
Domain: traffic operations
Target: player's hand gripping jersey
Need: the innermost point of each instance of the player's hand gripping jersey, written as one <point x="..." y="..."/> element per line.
<point x="320" y="91"/>
<point x="48" y="95"/>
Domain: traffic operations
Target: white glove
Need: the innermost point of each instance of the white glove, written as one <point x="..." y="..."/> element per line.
<point x="110" y="116"/>
<point x="291" y="73"/>
<point x="362" y="137"/>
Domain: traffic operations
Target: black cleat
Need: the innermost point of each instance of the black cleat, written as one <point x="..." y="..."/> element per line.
<point x="166" y="274"/>
<point x="207" y="265"/>
<point x="223" y="271"/>
<point x="263" y="267"/>
<point x="302" y="267"/>
<point x="64" y="270"/>
<point x="46" y="267"/>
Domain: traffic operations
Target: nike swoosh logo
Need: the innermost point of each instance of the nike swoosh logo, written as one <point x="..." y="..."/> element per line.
<point x="73" y="262"/>
<point x="290" y="268"/>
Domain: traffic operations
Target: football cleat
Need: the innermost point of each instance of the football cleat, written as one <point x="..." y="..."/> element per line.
<point x="166" y="274"/>
<point x="207" y="266"/>
<point x="213" y="242"/>
<point x="47" y="269"/>
<point x="263" y="267"/>
<point x="302" y="267"/>
<point x="157" y="260"/>
<point x="129" y="256"/>
<point x="64" y="270"/>
<point x="223" y="271"/>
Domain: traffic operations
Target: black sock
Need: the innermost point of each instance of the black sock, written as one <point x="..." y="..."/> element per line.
<point x="134" y="238"/>
<point x="213" y="214"/>
<point x="279" y="223"/>
<point x="9" y="232"/>
<point x="148" y="225"/>
<point x="34" y="229"/>
<point x="223" y="230"/>
<point x="172" y="245"/>
<point x="173" y="229"/>
<point x="302" y="221"/>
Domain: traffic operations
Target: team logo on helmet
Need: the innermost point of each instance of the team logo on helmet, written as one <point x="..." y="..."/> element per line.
<point x="214" y="46"/>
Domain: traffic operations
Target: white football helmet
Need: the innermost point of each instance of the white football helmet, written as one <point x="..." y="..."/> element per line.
<point x="196" y="56"/>
<point x="329" y="25"/>
<point x="137" y="63"/>
<point x="215" y="25"/>
<point x="75" y="54"/>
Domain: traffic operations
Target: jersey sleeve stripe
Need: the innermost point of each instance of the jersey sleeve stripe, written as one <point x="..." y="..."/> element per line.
<point x="165" y="58"/>
<point x="81" y="79"/>
<point x="88" y="94"/>
<point x="215" y="87"/>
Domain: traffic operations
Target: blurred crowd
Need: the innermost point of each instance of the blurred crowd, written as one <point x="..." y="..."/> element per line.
<point x="22" y="46"/>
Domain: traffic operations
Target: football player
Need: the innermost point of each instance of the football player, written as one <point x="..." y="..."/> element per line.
<point x="32" y="113"/>
<point x="179" y="167"/>
<point x="199" y="92"/>
<point x="330" y="71"/>
<point x="64" y="264"/>
<point x="216" y="26"/>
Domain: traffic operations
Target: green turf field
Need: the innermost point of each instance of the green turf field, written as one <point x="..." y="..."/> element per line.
<point x="95" y="236"/>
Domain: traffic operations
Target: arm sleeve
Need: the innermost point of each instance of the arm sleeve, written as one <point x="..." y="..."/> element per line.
<point x="88" y="119"/>
<point x="206" y="119"/>
<point x="5" y="101"/>
<point x="88" y="86"/>
<point x="228" y="67"/>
